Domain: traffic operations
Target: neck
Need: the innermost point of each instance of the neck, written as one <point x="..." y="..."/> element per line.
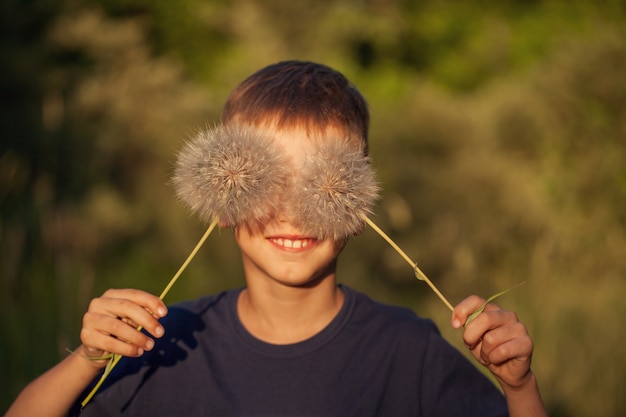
<point x="286" y="315"/>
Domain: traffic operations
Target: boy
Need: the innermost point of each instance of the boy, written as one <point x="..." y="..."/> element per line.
<point x="292" y="342"/>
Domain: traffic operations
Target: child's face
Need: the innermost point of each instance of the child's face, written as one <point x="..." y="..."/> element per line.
<point x="278" y="250"/>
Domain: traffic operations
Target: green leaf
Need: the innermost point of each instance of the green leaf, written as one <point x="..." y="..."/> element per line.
<point x="475" y="314"/>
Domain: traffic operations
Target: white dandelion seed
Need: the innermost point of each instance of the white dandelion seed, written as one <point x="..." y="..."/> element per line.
<point x="230" y="172"/>
<point x="336" y="188"/>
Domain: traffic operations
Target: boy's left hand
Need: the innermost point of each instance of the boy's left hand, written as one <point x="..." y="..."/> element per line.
<point x="497" y="339"/>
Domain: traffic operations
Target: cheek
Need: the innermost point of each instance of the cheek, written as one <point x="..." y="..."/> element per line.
<point x="243" y="235"/>
<point x="340" y="244"/>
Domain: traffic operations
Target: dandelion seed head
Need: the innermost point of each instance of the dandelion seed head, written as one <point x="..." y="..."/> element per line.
<point x="230" y="172"/>
<point x="336" y="189"/>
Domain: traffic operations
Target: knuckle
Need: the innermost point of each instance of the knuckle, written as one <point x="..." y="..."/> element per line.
<point x="93" y="304"/>
<point x="520" y="329"/>
<point x="117" y="326"/>
<point x="109" y="292"/>
<point x="501" y="353"/>
<point x="475" y="300"/>
<point x="527" y="345"/>
<point x="513" y="316"/>
<point x="490" y="339"/>
<point x="84" y="335"/>
<point x="123" y="302"/>
<point x="88" y="319"/>
<point x="471" y="341"/>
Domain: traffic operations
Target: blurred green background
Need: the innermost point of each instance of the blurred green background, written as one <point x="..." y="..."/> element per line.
<point x="498" y="132"/>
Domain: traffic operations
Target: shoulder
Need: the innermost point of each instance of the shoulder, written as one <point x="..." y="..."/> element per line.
<point x="416" y="351"/>
<point x="367" y="306"/>
<point x="385" y="319"/>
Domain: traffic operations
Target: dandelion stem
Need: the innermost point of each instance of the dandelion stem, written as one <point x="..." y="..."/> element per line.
<point x="418" y="272"/>
<point x="107" y="370"/>
<point x="189" y="258"/>
<point x="117" y="357"/>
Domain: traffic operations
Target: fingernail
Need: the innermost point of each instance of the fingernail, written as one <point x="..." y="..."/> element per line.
<point x="149" y="344"/>
<point x="456" y="323"/>
<point x="159" y="331"/>
<point x="162" y="311"/>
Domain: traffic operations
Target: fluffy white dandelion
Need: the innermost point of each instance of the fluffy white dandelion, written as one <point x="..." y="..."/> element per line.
<point x="335" y="190"/>
<point x="231" y="173"/>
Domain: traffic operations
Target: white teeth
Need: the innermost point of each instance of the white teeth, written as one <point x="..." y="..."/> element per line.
<point x="292" y="244"/>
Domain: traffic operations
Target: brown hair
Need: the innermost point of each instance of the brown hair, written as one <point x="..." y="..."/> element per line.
<point x="299" y="94"/>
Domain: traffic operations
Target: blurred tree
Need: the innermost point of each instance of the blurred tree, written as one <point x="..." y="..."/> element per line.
<point x="85" y="158"/>
<point x="498" y="133"/>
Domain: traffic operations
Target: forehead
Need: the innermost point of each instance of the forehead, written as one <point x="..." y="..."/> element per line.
<point x="301" y="125"/>
<point x="297" y="145"/>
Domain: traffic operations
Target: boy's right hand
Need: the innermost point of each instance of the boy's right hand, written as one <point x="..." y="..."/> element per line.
<point x="110" y="324"/>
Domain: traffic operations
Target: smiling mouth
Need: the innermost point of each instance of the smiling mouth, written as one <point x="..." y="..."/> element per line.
<point x="288" y="243"/>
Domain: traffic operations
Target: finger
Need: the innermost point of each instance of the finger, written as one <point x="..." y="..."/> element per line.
<point x="93" y="340"/>
<point x="463" y="310"/>
<point x="131" y="312"/>
<point x="506" y="343"/>
<point x="150" y="302"/>
<point x="129" y="322"/>
<point x="126" y="312"/>
<point x="488" y="320"/>
<point x="114" y="330"/>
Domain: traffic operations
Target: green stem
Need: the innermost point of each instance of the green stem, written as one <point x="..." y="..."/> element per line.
<point x="418" y="272"/>
<point x="117" y="357"/>
<point x="189" y="258"/>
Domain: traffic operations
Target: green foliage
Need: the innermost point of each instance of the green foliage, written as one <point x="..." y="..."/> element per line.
<point x="498" y="133"/>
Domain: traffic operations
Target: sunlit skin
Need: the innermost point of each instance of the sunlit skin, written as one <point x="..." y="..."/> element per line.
<point x="278" y="251"/>
<point x="291" y="289"/>
<point x="280" y="257"/>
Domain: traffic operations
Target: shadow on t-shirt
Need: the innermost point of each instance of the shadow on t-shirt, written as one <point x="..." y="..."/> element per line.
<point x="181" y="326"/>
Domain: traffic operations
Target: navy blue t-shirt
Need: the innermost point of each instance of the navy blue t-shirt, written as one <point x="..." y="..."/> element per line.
<point x="371" y="360"/>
